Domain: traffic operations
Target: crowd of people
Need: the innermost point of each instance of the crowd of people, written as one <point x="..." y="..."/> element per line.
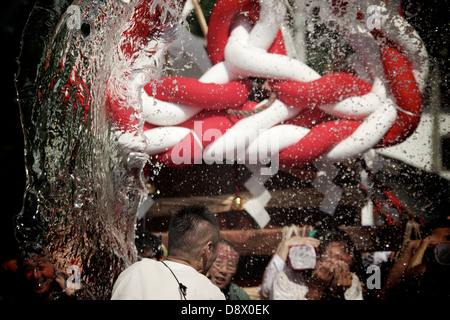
<point x="198" y="264"/>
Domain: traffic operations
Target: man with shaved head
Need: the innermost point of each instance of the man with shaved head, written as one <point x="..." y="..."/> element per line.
<point x="192" y="248"/>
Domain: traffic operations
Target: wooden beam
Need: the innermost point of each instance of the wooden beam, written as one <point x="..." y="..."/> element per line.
<point x="283" y="198"/>
<point x="260" y="242"/>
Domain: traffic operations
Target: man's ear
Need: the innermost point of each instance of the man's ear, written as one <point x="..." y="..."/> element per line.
<point x="208" y="248"/>
<point x="205" y="255"/>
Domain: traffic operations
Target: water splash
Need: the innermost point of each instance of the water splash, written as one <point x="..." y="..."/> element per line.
<point x="84" y="171"/>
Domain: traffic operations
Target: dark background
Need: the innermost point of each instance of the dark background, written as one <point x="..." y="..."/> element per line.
<point x="13" y="16"/>
<point x="430" y="18"/>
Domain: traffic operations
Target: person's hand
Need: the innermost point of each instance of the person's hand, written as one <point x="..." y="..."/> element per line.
<point x="412" y="245"/>
<point x="323" y="273"/>
<point x="417" y="258"/>
<point x="332" y="273"/>
<point x="432" y="239"/>
<point x="297" y="240"/>
<point x="61" y="278"/>
<point x="342" y="275"/>
<point x="283" y="249"/>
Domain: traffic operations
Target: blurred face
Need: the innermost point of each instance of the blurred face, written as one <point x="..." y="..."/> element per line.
<point x="224" y="267"/>
<point x="336" y="252"/>
<point x="39" y="273"/>
<point x="334" y="265"/>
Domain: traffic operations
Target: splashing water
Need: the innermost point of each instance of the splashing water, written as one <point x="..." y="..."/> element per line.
<point x="80" y="60"/>
<point x="82" y="68"/>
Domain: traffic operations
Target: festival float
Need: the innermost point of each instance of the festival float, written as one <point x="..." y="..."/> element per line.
<point x="277" y="113"/>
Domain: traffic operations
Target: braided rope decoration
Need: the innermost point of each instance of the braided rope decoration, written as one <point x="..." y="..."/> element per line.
<point x="214" y="119"/>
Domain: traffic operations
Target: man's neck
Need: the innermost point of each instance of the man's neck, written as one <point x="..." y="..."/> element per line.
<point x="182" y="261"/>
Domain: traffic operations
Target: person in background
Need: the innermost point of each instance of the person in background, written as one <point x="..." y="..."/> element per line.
<point x="224" y="268"/>
<point x="193" y="239"/>
<point x="278" y="262"/>
<point x="293" y="237"/>
<point x="150" y="246"/>
<point x="334" y="276"/>
<point x="41" y="280"/>
<point x="422" y="270"/>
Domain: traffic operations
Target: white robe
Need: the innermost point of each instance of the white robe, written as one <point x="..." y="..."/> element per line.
<point x="152" y="280"/>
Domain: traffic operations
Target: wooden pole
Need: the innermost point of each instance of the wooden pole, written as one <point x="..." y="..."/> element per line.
<point x="259" y="242"/>
<point x="200" y="17"/>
